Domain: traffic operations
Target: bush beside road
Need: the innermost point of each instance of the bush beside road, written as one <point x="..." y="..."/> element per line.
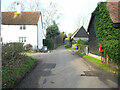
<point x="14" y="71"/>
<point x="14" y="64"/>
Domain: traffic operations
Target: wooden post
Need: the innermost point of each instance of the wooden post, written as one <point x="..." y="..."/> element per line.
<point x="107" y="59"/>
<point x="101" y="58"/>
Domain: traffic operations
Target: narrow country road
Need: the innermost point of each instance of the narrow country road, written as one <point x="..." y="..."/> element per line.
<point x="62" y="68"/>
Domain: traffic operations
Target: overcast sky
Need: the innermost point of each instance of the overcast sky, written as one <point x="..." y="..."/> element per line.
<point x="71" y="11"/>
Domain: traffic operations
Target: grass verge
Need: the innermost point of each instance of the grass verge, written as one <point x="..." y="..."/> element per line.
<point x="68" y="47"/>
<point x="15" y="70"/>
<point x="97" y="62"/>
<point x="30" y="51"/>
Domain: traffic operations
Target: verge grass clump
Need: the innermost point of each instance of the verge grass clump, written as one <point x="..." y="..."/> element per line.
<point x="97" y="62"/>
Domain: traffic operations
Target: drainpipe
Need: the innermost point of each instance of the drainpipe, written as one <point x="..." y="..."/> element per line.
<point x="37" y="39"/>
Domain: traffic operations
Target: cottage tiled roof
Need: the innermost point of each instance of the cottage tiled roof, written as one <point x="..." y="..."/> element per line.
<point x="25" y="18"/>
<point x="114" y="9"/>
<point x="80" y="32"/>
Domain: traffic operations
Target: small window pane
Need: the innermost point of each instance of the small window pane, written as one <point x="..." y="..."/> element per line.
<point x="24" y="27"/>
<point x="20" y="39"/>
<point x="20" y="27"/>
<point x="24" y="39"/>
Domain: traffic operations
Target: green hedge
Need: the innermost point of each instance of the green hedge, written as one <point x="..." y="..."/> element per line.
<point x="106" y="34"/>
<point x="11" y="50"/>
<point x="15" y="70"/>
<point x="14" y="65"/>
<point x="49" y="43"/>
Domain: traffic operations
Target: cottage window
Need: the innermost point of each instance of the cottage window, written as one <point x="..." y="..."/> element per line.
<point x="24" y="27"/>
<point x="21" y="27"/>
<point x="24" y="39"/>
<point x="20" y="39"/>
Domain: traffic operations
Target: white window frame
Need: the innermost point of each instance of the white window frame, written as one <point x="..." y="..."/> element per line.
<point x="23" y="27"/>
<point x="22" y="39"/>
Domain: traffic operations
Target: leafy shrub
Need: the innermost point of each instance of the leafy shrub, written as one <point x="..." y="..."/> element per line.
<point x="82" y="42"/>
<point x="14" y="64"/>
<point x="50" y="44"/>
<point x="52" y="31"/>
<point x="13" y="73"/>
<point x="28" y="47"/>
<point x="41" y="50"/>
<point x="11" y="50"/>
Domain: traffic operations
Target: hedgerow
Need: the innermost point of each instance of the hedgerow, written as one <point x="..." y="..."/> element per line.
<point x="11" y="50"/>
<point x="106" y="34"/>
<point x="15" y="64"/>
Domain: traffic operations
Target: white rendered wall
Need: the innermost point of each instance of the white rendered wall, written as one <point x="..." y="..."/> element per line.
<point x="11" y="33"/>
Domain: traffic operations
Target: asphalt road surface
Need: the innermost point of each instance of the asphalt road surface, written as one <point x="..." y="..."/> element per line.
<point x="62" y="68"/>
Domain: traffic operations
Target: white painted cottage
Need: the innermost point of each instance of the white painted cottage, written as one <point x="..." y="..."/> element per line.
<point x="27" y="27"/>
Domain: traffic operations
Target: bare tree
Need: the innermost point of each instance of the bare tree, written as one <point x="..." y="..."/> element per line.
<point x="81" y="21"/>
<point x="33" y="5"/>
<point x="50" y="14"/>
<point x="12" y="6"/>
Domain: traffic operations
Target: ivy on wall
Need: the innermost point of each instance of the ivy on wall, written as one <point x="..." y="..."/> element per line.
<point x="106" y="34"/>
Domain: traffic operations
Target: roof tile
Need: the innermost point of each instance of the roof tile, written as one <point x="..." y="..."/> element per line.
<point x="114" y="9"/>
<point x="29" y="18"/>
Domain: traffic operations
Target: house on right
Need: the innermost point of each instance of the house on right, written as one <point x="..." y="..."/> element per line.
<point x="110" y="23"/>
